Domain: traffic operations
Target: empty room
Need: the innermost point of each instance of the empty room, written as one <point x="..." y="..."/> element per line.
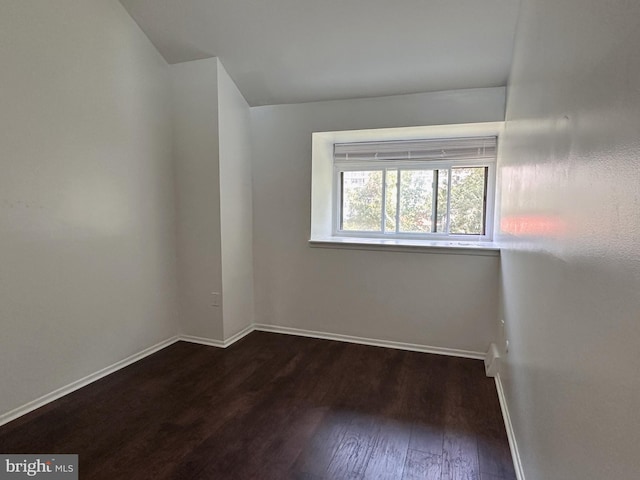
<point x="320" y="240"/>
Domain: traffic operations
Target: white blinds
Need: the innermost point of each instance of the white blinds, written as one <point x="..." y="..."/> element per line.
<point x="442" y="149"/>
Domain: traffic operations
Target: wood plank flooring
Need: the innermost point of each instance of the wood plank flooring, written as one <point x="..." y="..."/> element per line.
<point x="275" y="407"/>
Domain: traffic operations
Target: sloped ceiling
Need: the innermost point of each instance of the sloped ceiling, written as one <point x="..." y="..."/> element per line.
<point x="291" y="51"/>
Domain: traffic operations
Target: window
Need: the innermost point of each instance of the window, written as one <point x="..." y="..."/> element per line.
<point x="405" y="189"/>
<point x="429" y="189"/>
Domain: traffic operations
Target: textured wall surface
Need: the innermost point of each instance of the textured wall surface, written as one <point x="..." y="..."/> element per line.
<point x="236" y="208"/>
<point x="431" y="299"/>
<point x="571" y="266"/>
<point x="87" y="275"/>
<point x="197" y="169"/>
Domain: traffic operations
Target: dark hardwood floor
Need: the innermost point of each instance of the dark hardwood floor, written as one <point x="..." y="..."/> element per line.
<point x="278" y="407"/>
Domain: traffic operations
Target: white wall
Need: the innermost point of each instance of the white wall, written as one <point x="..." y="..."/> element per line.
<point x="195" y="147"/>
<point x="571" y="269"/>
<point x="236" y="214"/>
<point x="431" y="299"/>
<point x="87" y="275"/>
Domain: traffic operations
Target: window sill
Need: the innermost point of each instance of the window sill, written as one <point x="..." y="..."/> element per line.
<point x="486" y="249"/>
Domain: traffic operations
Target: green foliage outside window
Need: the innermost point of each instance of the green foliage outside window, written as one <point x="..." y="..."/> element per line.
<point x="362" y="194"/>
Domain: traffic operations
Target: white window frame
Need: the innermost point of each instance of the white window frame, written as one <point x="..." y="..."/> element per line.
<point x="325" y="205"/>
<point x="427" y="166"/>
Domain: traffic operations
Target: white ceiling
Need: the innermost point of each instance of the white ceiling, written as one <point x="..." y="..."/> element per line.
<point x="290" y="51"/>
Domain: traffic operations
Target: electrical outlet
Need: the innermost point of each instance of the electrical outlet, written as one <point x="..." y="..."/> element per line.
<point x="215" y="299"/>
<point x="503" y="336"/>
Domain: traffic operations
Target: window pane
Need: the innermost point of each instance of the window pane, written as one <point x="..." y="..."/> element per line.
<point x="443" y="189"/>
<point x="391" y="202"/>
<point x="362" y="201"/>
<point x="467" y="200"/>
<point x="416" y="201"/>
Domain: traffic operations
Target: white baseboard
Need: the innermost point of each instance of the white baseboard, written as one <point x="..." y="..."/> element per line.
<point x="492" y="361"/>
<point x="201" y="341"/>
<point x="513" y="444"/>
<point x="238" y="336"/>
<point x="260" y="327"/>
<point x="218" y="343"/>
<point x="62" y="391"/>
<point x="452" y="352"/>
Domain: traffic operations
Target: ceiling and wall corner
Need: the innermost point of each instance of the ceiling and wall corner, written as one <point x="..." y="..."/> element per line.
<point x="294" y="51"/>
